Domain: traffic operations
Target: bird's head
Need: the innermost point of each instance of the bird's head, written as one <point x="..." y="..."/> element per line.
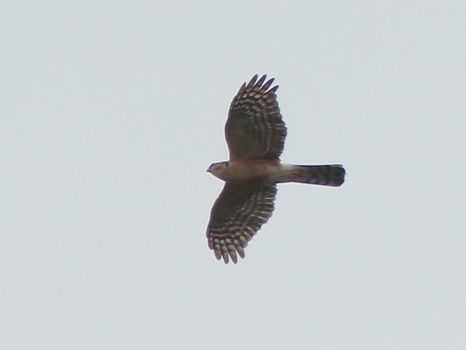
<point x="218" y="169"/>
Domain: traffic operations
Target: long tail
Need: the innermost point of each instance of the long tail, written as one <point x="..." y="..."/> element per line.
<point x="326" y="175"/>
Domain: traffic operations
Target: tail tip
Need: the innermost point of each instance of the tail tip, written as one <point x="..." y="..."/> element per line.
<point x="339" y="173"/>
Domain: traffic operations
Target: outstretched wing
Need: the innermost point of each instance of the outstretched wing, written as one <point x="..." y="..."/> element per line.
<point x="237" y="214"/>
<point x="254" y="128"/>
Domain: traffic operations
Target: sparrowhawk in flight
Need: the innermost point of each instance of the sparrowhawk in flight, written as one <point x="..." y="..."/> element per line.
<point x="255" y="134"/>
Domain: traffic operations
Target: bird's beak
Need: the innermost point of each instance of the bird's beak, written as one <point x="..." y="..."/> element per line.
<point x="208" y="170"/>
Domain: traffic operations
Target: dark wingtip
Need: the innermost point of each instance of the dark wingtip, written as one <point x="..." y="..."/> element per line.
<point x="253" y="80"/>
<point x="261" y="80"/>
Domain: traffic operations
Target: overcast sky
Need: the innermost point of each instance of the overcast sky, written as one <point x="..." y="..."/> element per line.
<point x="110" y="113"/>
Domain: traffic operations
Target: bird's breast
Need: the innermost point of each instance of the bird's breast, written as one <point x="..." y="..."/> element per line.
<point x="247" y="170"/>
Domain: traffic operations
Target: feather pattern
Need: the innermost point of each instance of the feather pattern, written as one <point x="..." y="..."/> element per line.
<point x="254" y="128"/>
<point x="237" y="214"/>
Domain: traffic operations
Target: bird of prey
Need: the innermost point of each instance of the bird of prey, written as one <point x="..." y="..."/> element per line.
<point x="255" y="134"/>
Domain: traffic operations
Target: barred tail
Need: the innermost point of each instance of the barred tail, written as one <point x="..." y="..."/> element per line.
<point x="326" y="175"/>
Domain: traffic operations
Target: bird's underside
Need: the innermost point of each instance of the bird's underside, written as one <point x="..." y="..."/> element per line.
<point x="255" y="134"/>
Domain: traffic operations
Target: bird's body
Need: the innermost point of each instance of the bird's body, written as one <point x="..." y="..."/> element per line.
<point x="273" y="171"/>
<point x="246" y="170"/>
<point x="255" y="134"/>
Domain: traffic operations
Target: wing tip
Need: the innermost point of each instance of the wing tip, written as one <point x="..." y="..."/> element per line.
<point x="226" y="252"/>
<point x="261" y="83"/>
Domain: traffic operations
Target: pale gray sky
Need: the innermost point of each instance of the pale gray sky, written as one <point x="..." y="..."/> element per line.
<point x="110" y="113"/>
